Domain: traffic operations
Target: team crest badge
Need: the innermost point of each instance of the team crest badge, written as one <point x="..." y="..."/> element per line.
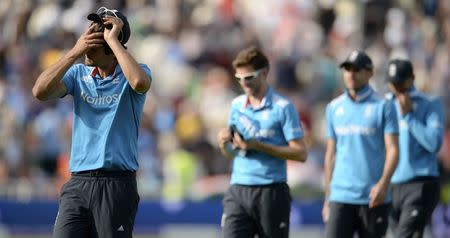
<point x="392" y="70"/>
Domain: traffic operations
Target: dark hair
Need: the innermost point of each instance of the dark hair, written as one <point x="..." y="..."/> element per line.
<point x="97" y="18"/>
<point x="102" y="12"/>
<point x="251" y="56"/>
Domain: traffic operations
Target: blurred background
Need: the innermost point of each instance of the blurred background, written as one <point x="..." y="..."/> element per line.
<point x="189" y="46"/>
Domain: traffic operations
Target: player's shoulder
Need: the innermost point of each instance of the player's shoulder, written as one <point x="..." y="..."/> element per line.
<point x="425" y="97"/>
<point x="389" y="96"/>
<point x="339" y="100"/>
<point x="81" y="67"/>
<point x="432" y="102"/>
<point x="144" y="66"/>
<point x="376" y="96"/>
<point x="279" y="100"/>
<point x="80" y="71"/>
<point x="147" y="70"/>
<point x="239" y="100"/>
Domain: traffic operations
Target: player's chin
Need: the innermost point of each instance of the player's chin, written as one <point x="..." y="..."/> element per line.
<point x="248" y="90"/>
<point x="88" y="61"/>
<point x="350" y="85"/>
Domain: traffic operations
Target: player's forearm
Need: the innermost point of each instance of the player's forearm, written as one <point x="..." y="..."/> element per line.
<point x="429" y="136"/>
<point x="296" y="153"/>
<point x="227" y="151"/>
<point x="390" y="164"/>
<point x="136" y="76"/>
<point x="48" y="83"/>
<point x="328" y="167"/>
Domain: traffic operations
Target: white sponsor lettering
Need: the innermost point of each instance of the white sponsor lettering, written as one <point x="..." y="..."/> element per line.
<point x="355" y="130"/>
<point x="265" y="133"/>
<point x="100" y="100"/>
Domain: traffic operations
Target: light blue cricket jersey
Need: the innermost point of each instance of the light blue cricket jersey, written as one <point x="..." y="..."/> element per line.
<point x="358" y="127"/>
<point x="275" y="122"/>
<point x="421" y="135"/>
<point x="107" y="116"/>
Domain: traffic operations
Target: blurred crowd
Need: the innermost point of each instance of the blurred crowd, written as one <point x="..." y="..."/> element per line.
<point x="189" y="46"/>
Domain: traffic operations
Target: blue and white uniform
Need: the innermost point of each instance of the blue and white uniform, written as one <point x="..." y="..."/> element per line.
<point x="421" y="135"/>
<point x="275" y="122"/>
<point x="104" y="135"/>
<point x="358" y="128"/>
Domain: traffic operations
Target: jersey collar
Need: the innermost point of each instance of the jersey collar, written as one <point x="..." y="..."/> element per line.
<point x="413" y="91"/>
<point x="117" y="70"/>
<point x="362" y="94"/>
<point x="266" y="101"/>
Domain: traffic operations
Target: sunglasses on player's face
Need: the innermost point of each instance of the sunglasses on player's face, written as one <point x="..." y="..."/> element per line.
<point x="107" y="12"/>
<point x="249" y="76"/>
<point x="103" y="11"/>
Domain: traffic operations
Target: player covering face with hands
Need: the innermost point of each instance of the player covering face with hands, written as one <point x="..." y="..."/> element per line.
<point x="415" y="184"/>
<point x="109" y="91"/>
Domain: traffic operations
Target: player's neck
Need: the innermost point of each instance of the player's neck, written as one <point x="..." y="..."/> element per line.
<point x="256" y="99"/>
<point x="108" y="69"/>
<point x="353" y="93"/>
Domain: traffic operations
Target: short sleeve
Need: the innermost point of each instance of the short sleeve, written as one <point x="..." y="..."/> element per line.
<point x="390" y="118"/>
<point x="147" y="71"/>
<point x="69" y="79"/>
<point x="231" y="116"/>
<point x="292" y="128"/>
<point x="331" y="134"/>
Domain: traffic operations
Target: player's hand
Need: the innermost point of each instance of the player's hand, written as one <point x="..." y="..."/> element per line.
<point x="325" y="211"/>
<point x="113" y="33"/>
<point x="377" y="194"/>
<point x="223" y="136"/>
<point x="405" y="102"/>
<point x="242" y="144"/>
<point x="88" y="40"/>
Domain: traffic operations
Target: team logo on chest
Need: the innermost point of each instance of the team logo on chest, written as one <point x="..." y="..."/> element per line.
<point x="116" y="80"/>
<point x="368" y="111"/>
<point x="392" y="70"/>
<point x="265" y="115"/>
<point x="339" y="111"/>
<point x="87" y="79"/>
